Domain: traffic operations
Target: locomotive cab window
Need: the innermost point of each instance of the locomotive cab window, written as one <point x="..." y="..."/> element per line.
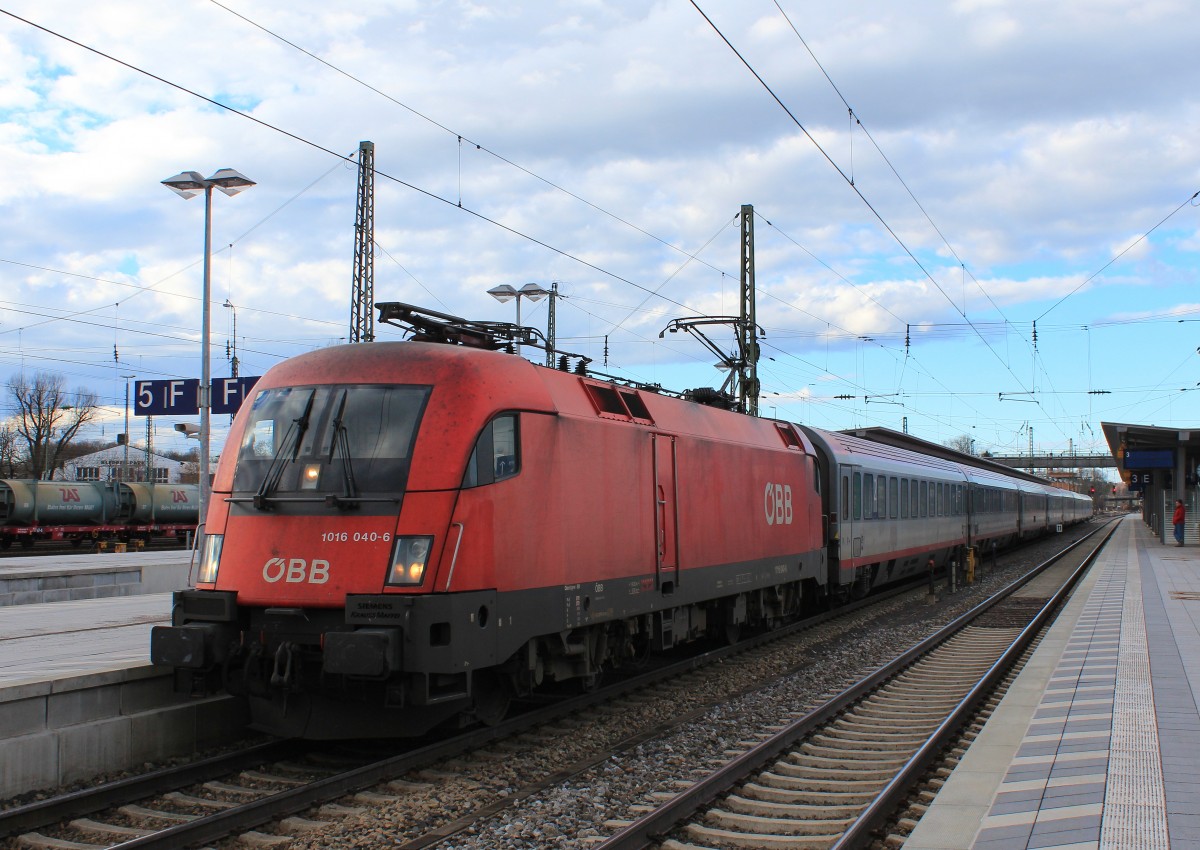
<point x="496" y="455"/>
<point x="341" y="440"/>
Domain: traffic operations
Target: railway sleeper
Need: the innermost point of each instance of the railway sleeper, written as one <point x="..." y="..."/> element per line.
<point x="835" y="769"/>
<point x="930" y="704"/>
<point x="142" y="813"/>
<point x="964" y="675"/>
<point x="819" y="783"/>
<point x="885" y="713"/>
<point x="303" y="825"/>
<point x="859" y="758"/>
<point x="724" y="838"/>
<point x="760" y="826"/>
<point x="235" y="790"/>
<point x="759" y="791"/>
<point x="37" y="841"/>
<point x="264" y="839"/>
<point x="788" y="811"/>
<point x="272" y="778"/>
<point x="94" y="827"/>
<point x="198" y="802"/>
<point x="883" y="738"/>
<point x="858" y="731"/>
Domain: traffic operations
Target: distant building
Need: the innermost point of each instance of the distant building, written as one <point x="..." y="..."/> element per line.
<point x="109" y="465"/>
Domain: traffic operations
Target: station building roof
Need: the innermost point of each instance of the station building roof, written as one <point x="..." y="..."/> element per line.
<point x="1123" y="437"/>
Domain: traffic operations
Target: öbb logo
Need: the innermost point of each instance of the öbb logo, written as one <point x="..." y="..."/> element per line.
<point x="295" y="571"/>
<point x="777" y="503"/>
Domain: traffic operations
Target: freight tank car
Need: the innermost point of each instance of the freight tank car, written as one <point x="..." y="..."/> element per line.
<point x="33" y="510"/>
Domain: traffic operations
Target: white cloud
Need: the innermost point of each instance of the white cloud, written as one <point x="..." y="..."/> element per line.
<point x="1040" y="139"/>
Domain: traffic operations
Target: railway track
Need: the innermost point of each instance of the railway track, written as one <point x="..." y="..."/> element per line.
<point x="231" y="795"/>
<point x="834" y="777"/>
<point x="425" y="795"/>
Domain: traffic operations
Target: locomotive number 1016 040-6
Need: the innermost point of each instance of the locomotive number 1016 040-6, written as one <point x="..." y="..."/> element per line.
<point x="355" y="537"/>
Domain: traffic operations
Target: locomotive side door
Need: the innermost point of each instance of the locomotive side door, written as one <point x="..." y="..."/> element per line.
<point x="666" y="513"/>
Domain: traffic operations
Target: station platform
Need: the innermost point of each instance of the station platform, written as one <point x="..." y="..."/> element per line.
<point x="79" y="696"/>
<point x="35" y="579"/>
<point x="1097" y="743"/>
<point x="53" y="642"/>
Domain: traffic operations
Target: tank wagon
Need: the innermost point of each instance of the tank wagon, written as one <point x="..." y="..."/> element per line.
<point x="32" y="510"/>
<point x="405" y="533"/>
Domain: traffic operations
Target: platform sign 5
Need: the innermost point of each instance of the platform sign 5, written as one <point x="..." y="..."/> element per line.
<point x="170" y="397"/>
<point x="229" y="393"/>
<point x="181" y="396"/>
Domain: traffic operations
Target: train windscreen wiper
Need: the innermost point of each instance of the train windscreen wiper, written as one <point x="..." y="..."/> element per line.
<point x="291" y="441"/>
<point x="341" y="442"/>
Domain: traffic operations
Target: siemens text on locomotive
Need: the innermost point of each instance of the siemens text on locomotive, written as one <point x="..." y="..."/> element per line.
<point x="402" y="533"/>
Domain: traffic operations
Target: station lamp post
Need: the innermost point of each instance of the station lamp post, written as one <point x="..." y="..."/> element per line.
<point x="188" y="184"/>
<point x="505" y="293"/>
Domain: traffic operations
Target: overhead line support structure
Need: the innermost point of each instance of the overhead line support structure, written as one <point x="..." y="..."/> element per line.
<point x="362" y="296"/>
<point x="741" y="388"/>
<point x="748" y="326"/>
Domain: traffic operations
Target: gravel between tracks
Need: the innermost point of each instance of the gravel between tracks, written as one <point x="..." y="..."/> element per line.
<point x="573" y="813"/>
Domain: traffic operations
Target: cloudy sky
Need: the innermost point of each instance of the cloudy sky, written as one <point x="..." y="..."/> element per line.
<point x="931" y="182"/>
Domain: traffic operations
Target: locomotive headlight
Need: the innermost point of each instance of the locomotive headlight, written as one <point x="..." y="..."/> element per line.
<point x="409" y="559"/>
<point x="210" y="559"/>
<point x="310" y="476"/>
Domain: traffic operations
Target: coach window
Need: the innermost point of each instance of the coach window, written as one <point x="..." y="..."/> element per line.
<point x="881" y="507"/>
<point x="858" y="495"/>
<point x="903" y="498"/>
<point x="496" y="455"/>
<point x="893" y="497"/>
<point x="941" y="500"/>
<point x="868" y="496"/>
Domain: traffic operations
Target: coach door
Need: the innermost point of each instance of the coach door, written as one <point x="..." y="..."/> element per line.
<point x="850" y="496"/>
<point x="666" y="516"/>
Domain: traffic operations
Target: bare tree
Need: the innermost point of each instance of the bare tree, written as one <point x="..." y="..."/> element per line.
<point x="962" y="443"/>
<point x="10" y="450"/>
<point x="48" y="417"/>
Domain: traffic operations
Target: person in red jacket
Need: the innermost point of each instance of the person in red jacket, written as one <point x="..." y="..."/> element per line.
<point x="1177" y="520"/>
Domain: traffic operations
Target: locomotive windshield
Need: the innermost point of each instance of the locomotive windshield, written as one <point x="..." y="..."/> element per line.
<point x="341" y="440"/>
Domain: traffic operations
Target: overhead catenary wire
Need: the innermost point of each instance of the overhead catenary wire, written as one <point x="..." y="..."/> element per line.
<point x="878" y="216"/>
<point x="648" y="297"/>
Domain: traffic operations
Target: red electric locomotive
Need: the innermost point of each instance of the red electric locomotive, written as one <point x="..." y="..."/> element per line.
<point x="405" y="532"/>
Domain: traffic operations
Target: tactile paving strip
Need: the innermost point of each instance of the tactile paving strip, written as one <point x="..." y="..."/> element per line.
<point x="1062" y="789"/>
<point x="1135" y="809"/>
